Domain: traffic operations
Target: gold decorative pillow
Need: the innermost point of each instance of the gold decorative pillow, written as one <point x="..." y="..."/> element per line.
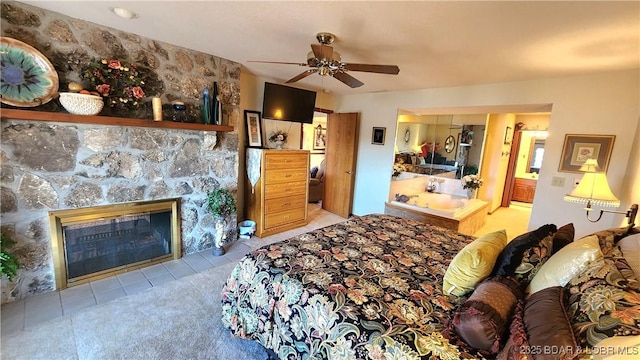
<point x="473" y="263"/>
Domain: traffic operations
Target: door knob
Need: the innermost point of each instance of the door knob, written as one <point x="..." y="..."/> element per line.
<point x="349" y="172"/>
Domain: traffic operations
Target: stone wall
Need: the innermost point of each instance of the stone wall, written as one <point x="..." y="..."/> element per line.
<point x="50" y="166"/>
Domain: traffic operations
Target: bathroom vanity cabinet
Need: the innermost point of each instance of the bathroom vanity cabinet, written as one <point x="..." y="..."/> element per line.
<point x="524" y="190"/>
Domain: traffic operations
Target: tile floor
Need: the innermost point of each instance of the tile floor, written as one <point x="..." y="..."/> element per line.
<point x="19" y="315"/>
<point x="514" y="219"/>
<point x="23" y="314"/>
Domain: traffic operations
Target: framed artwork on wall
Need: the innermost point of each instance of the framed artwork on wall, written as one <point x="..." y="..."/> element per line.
<point x="254" y="128"/>
<point x="508" y="135"/>
<point x="578" y="148"/>
<point x="319" y="138"/>
<point x="377" y="135"/>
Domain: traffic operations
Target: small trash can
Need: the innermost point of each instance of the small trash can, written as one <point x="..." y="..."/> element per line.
<point x="246" y="229"/>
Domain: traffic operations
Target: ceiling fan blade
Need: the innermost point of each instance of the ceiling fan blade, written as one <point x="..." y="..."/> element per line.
<point x="302" y="75"/>
<point x="278" y="62"/>
<point x="347" y="79"/>
<point x="381" y="69"/>
<point x="322" y="52"/>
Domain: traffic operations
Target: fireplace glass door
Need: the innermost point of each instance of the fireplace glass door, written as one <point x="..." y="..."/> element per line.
<point x="91" y="243"/>
<point x="110" y="243"/>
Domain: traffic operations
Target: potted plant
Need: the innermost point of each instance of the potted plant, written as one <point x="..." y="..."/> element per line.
<point x="221" y="203"/>
<point x="8" y="263"/>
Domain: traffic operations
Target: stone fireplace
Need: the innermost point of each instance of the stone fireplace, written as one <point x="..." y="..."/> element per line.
<point x="52" y="166"/>
<point x="58" y="166"/>
<point x="95" y="242"/>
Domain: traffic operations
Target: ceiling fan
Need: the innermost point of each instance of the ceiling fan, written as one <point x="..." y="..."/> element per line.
<point x="324" y="61"/>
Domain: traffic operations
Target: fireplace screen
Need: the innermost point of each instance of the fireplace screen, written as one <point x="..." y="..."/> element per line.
<point x="100" y="241"/>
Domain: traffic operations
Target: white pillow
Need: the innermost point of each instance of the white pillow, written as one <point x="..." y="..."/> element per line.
<point x="567" y="263"/>
<point x="617" y="348"/>
<point x="630" y="247"/>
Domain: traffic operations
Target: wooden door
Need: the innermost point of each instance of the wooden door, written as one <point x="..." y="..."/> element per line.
<point x="340" y="163"/>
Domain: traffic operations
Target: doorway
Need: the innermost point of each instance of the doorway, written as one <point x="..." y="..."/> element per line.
<point x="494" y="146"/>
<point x="333" y="138"/>
<point x="525" y="160"/>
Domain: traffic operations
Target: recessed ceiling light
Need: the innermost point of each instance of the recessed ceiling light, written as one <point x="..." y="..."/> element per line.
<point x="124" y="13"/>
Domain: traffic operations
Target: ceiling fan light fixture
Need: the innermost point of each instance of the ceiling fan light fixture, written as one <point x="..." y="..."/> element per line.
<point x="324" y="60"/>
<point x="124" y="13"/>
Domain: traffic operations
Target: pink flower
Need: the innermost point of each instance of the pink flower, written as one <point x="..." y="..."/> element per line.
<point x="114" y="64"/>
<point x="103" y="89"/>
<point x="138" y="92"/>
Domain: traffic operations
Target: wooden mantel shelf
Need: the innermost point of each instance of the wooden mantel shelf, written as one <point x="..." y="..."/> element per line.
<point x="17" y="114"/>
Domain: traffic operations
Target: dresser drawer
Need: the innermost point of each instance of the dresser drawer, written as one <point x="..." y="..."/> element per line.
<point x="279" y="190"/>
<point x="284" y="217"/>
<point x="285" y="175"/>
<point x="285" y="161"/>
<point x="278" y="205"/>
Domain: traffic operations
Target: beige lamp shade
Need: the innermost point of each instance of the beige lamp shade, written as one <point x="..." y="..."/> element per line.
<point x="593" y="188"/>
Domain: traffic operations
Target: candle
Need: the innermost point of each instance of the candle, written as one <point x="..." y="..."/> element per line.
<point x="157" y="108"/>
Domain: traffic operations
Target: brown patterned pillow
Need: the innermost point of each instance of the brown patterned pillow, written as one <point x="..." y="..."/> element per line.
<point x="619" y="259"/>
<point x="483" y="319"/>
<point x="601" y="304"/>
<point x="608" y="238"/>
<point x="532" y="260"/>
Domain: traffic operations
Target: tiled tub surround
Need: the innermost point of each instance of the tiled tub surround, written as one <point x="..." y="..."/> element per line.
<point x="52" y="166"/>
<point x="468" y="218"/>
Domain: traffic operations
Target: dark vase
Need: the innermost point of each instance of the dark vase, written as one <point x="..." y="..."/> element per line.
<point x="216" y="115"/>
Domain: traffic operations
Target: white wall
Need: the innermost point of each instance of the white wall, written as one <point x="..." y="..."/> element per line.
<point x="630" y="193"/>
<point x="603" y="103"/>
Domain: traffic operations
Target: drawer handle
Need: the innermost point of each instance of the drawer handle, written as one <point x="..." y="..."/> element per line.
<point x="286" y="204"/>
<point x="287" y="175"/>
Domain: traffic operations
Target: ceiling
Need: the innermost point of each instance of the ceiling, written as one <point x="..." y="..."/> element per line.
<point x="435" y="43"/>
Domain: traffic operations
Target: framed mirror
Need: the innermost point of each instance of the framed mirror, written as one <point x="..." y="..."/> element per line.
<point x="434" y="144"/>
<point x="536" y="153"/>
<point x="449" y="144"/>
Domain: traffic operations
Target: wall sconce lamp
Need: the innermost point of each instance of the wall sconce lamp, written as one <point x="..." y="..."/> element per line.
<point x="594" y="189"/>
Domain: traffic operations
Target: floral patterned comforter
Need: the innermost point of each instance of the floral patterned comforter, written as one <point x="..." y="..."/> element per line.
<point x="367" y="288"/>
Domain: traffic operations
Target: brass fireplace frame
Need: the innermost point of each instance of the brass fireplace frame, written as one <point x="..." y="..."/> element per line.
<point x="60" y="218"/>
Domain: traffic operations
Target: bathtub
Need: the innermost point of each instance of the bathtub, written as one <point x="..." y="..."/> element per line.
<point x="451" y="211"/>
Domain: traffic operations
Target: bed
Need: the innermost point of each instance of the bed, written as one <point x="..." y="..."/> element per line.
<point x="371" y="287"/>
<point x="351" y="290"/>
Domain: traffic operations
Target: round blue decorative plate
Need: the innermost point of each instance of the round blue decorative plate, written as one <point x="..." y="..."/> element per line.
<point x="28" y="78"/>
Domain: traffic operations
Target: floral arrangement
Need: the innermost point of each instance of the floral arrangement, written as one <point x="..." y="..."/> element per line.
<point x="398" y="169"/>
<point x="278" y="135"/>
<point x="471" y="181"/>
<point x="121" y="85"/>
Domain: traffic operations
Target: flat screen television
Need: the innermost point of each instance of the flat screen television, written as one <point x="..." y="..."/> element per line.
<point x="287" y="103"/>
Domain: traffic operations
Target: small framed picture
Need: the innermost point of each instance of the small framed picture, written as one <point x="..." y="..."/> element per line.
<point x="508" y="135"/>
<point x="254" y="128"/>
<point x="579" y="148"/>
<point x="319" y="138"/>
<point x="377" y="135"/>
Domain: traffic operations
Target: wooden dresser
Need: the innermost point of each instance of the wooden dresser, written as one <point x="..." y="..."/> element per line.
<point x="278" y="201"/>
